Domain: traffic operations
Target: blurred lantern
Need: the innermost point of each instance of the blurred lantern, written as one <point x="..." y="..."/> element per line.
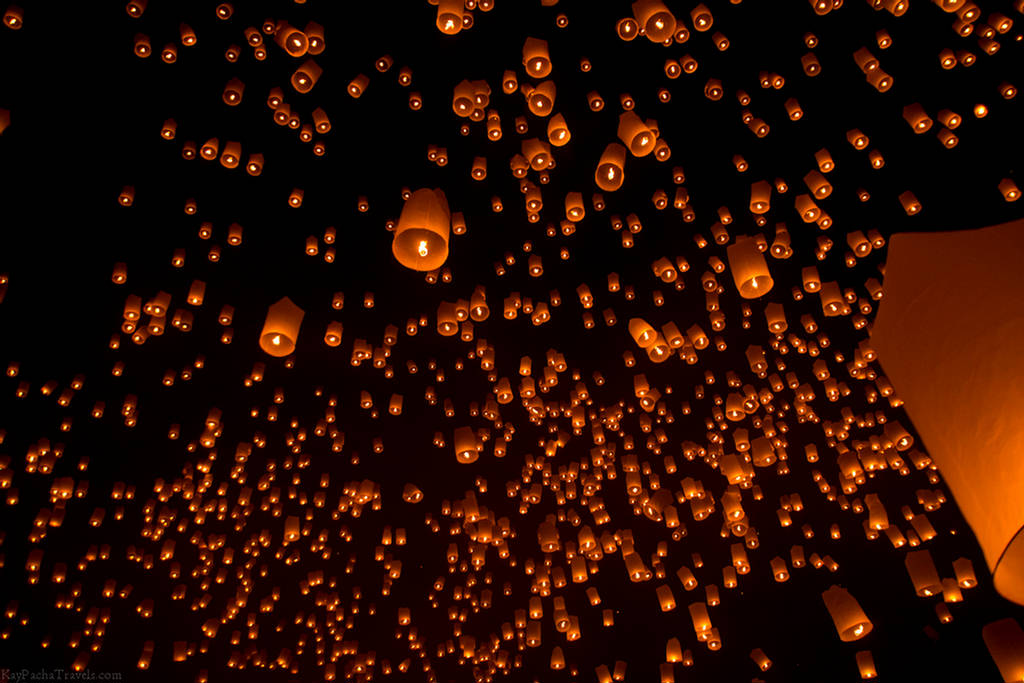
<point x="421" y="237"/>
<point x="960" y="393"/>
<point x="1005" y="642"/>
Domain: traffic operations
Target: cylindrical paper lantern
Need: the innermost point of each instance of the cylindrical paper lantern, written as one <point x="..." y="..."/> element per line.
<point x="850" y="621"/>
<point x="749" y="269"/>
<point x="281" y="328"/>
<point x="421" y="238"/>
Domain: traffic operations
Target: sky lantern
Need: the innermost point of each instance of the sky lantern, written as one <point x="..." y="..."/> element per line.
<point x="958" y="392"/>
<point x="450" y="16"/>
<point x="281" y="328"/>
<point x="421" y="237"/>
<point x="749" y="269"/>
<point x="850" y="621"/>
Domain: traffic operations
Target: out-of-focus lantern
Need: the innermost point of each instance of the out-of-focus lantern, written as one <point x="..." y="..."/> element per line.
<point x="1005" y="642"/>
<point x="421" y="237"/>
<point x="281" y="328"/>
<point x="960" y="392"/>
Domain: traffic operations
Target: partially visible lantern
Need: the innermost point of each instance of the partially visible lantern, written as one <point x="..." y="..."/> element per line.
<point x="1005" y="642"/>
<point x="971" y="278"/>
<point x="657" y="21"/>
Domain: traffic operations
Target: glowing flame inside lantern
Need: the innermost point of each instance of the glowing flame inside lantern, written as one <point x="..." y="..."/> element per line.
<point x="422" y="248"/>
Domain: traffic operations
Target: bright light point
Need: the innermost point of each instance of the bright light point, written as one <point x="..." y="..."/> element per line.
<point x="276" y="340"/>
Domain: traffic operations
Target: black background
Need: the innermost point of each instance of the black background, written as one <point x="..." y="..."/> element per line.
<point x="86" y="116"/>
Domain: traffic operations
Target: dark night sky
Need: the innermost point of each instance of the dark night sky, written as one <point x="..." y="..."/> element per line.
<point x="86" y="116"/>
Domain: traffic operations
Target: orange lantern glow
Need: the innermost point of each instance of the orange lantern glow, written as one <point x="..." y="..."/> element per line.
<point x="281" y="328"/>
<point x="421" y="237"/>
<point x="970" y="277"/>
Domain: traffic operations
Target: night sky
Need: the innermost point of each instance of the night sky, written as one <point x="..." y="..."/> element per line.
<point x="192" y="576"/>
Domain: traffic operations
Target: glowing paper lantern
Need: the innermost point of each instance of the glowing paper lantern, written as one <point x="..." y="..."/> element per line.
<point x="850" y="621"/>
<point x="656" y="19"/>
<point x="961" y="391"/>
<point x="449" y="16"/>
<point x="281" y="328"/>
<point x="421" y="238"/>
<point x="749" y="269"/>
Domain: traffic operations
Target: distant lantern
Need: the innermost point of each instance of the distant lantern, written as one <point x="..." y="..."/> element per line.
<point x="850" y="621"/>
<point x="971" y="278"/>
<point x="749" y="269"/>
<point x="281" y="328"/>
<point x="421" y="237"/>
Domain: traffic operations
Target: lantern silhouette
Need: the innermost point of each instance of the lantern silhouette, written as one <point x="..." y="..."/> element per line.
<point x="961" y="393"/>
<point x="281" y="328"/>
<point x="609" y="174"/>
<point x="421" y="237"/>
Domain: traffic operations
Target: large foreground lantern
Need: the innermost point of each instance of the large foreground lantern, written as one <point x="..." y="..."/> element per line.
<point x="281" y="328"/>
<point x="948" y="335"/>
<point x="421" y="238"/>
